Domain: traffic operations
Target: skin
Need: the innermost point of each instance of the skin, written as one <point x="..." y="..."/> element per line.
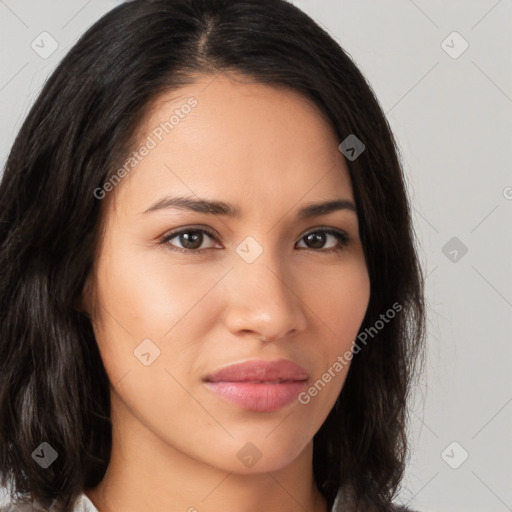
<point x="269" y="151"/>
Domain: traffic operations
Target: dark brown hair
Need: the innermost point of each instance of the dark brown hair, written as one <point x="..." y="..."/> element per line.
<point x="53" y="385"/>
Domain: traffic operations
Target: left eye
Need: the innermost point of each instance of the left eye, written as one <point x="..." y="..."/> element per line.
<point x="318" y="238"/>
<point x="192" y="239"/>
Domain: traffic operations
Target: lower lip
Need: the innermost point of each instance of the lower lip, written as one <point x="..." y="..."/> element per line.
<point x="259" y="397"/>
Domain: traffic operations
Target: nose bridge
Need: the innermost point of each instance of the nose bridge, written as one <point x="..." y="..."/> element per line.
<point x="263" y="299"/>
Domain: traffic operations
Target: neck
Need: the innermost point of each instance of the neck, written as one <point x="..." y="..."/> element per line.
<point x="145" y="473"/>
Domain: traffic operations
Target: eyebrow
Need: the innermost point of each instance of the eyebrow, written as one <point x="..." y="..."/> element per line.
<point x="230" y="210"/>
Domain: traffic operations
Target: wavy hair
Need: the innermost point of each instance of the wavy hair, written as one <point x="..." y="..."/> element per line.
<point x="53" y="385"/>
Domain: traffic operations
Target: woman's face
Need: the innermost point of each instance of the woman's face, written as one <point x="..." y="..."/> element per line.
<point x="172" y="304"/>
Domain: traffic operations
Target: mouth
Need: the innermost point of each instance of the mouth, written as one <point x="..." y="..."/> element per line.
<point x="259" y="386"/>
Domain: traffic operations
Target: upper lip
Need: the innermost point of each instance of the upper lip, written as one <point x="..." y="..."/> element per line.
<point x="259" y="371"/>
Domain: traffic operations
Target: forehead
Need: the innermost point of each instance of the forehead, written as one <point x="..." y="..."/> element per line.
<point x="228" y="137"/>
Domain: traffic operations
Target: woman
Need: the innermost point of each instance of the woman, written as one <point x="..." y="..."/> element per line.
<point x="211" y="297"/>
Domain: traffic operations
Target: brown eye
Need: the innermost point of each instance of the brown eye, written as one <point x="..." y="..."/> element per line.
<point x="317" y="239"/>
<point x="189" y="239"/>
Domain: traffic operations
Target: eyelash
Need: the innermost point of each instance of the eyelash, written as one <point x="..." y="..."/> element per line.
<point x="339" y="235"/>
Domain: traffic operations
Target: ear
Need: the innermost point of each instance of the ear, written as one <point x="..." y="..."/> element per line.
<point x="83" y="302"/>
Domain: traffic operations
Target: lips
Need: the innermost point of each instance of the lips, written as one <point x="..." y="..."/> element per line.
<point x="260" y="386"/>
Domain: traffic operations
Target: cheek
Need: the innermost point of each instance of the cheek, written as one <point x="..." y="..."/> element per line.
<point x="146" y="293"/>
<point x="340" y="303"/>
<point x="141" y="296"/>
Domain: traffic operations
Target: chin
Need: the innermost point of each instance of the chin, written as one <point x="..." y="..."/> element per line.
<point x="259" y="455"/>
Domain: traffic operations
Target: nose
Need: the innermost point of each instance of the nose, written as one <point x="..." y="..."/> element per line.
<point x="264" y="300"/>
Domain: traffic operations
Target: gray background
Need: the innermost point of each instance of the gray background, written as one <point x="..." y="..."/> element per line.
<point x="451" y="113"/>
